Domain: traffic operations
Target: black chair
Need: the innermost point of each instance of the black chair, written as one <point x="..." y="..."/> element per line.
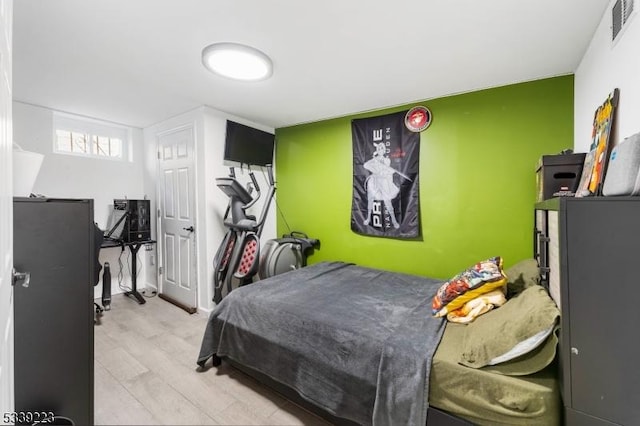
<point x="97" y="267"/>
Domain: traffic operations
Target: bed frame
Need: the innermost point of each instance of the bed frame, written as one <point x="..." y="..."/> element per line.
<point x="435" y="417"/>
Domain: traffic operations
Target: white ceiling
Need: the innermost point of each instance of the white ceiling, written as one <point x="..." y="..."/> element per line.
<point x="137" y="62"/>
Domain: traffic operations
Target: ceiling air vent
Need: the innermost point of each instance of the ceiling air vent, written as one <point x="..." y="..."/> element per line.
<point x="620" y="14"/>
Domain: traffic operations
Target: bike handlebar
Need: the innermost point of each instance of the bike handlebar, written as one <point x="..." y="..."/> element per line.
<point x="255" y="182"/>
<point x="270" y="174"/>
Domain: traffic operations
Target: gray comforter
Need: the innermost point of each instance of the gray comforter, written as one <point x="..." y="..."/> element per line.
<point x="354" y="341"/>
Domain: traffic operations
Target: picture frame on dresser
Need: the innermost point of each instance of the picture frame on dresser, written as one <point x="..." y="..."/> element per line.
<point x="595" y="165"/>
<point x="585" y="178"/>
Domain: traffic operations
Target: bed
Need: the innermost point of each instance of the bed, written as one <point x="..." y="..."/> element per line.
<point x="361" y="344"/>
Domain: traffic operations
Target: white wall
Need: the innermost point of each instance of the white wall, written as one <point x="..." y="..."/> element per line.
<point x="7" y="399"/>
<point x="603" y="68"/>
<point x="210" y="129"/>
<point x="66" y="176"/>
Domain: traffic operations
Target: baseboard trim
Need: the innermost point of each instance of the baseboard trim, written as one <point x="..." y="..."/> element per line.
<point x="190" y="309"/>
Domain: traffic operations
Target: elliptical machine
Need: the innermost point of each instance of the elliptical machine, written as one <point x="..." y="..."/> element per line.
<point x="239" y="253"/>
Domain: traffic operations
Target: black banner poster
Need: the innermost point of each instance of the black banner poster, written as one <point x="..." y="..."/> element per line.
<point x="385" y="177"/>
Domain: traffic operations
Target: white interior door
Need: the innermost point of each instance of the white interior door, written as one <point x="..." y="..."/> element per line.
<point x="6" y="213"/>
<point x="177" y="215"/>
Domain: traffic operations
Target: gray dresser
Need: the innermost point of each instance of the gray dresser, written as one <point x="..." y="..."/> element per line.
<point x="588" y="250"/>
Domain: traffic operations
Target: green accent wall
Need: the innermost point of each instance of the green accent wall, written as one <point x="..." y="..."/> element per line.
<point x="477" y="179"/>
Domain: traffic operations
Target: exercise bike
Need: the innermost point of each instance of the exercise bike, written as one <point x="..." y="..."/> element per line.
<point x="239" y="253"/>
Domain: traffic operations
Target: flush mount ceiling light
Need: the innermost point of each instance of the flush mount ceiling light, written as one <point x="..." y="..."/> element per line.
<point x="237" y="61"/>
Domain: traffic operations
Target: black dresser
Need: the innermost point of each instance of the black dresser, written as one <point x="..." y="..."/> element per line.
<point x="53" y="316"/>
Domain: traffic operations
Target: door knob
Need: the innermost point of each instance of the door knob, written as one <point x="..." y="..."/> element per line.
<point x="190" y="229"/>
<point x="22" y="278"/>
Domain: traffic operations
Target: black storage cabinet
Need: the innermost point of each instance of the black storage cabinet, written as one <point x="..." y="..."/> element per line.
<point x="53" y="316"/>
<point x="589" y="252"/>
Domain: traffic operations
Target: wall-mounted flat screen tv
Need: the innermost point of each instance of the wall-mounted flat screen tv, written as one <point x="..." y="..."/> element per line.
<point x="247" y="145"/>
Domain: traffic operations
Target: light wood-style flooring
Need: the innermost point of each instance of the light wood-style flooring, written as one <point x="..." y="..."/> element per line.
<point x="146" y="374"/>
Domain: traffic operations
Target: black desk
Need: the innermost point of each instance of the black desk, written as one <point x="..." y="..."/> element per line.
<point x="134" y="246"/>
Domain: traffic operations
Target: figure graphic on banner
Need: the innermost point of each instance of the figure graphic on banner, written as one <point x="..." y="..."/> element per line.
<point x="379" y="183"/>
